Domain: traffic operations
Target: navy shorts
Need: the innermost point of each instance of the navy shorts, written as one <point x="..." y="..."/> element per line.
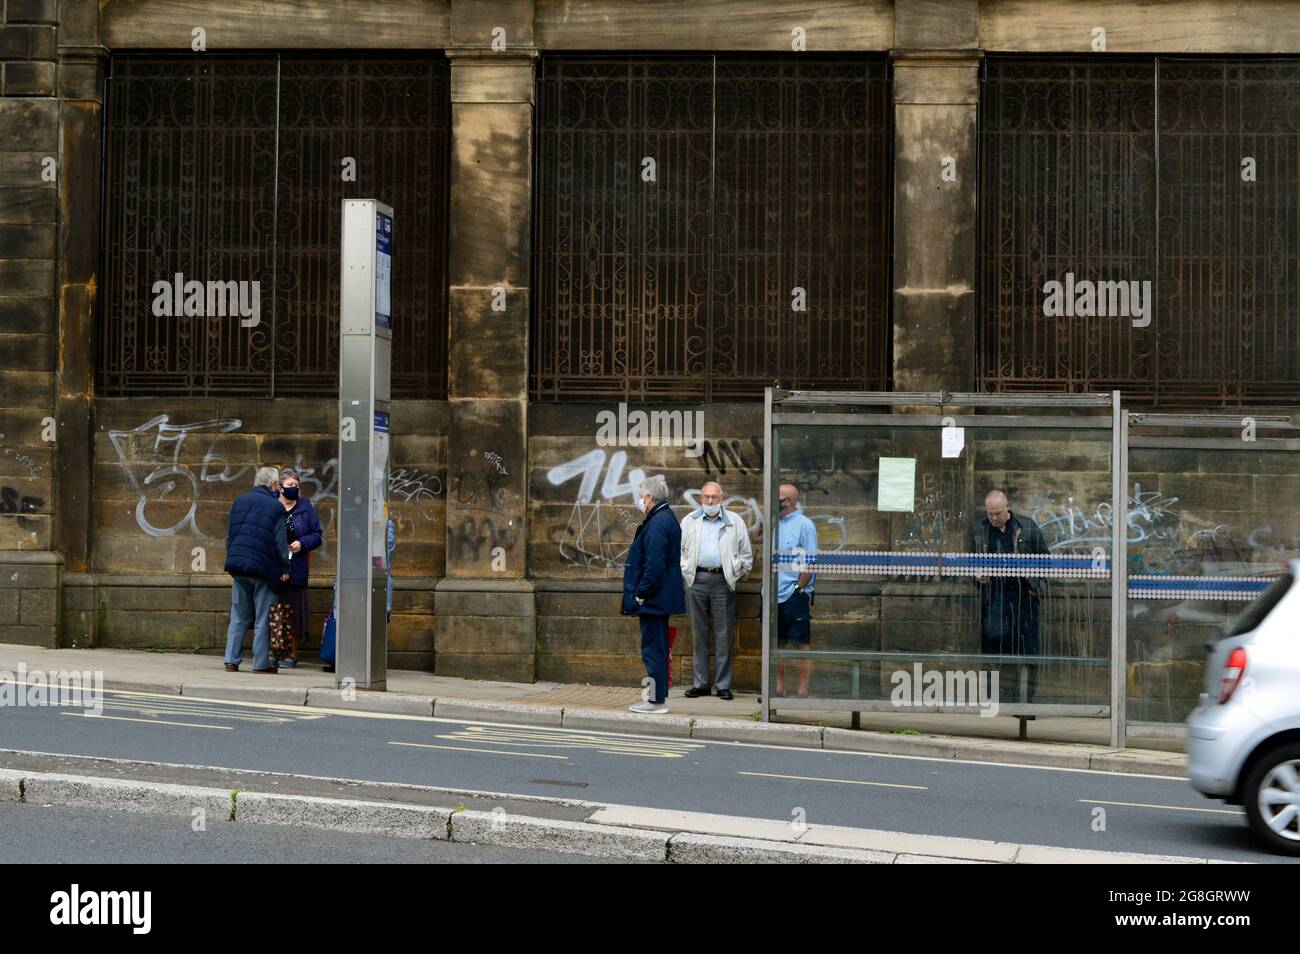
<point x="794" y="620"/>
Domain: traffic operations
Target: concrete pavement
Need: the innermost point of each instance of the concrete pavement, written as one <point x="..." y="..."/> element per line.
<point x="1059" y="742"/>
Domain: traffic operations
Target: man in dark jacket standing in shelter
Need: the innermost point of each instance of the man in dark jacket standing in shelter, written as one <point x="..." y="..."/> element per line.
<point x="257" y="558"/>
<point x="653" y="588"/>
<point x="1009" y="600"/>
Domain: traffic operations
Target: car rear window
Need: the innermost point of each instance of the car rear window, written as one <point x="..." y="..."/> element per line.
<point x="1254" y="614"/>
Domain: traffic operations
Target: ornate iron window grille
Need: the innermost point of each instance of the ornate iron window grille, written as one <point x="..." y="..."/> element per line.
<point x="771" y="181"/>
<point x="1131" y="169"/>
<point x="231" y="169"/>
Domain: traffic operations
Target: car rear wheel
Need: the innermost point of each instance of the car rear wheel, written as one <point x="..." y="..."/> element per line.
<point x="1272" y="799"/>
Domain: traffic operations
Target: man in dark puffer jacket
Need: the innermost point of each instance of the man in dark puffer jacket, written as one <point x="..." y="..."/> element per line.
<point x="257" y="557"/>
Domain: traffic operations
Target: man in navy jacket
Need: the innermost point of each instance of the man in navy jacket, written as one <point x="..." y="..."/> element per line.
<point x="257" y="557"/>
<point x="653" y="588"/>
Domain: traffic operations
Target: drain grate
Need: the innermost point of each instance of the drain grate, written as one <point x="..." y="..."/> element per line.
<point x="559" y="781"/>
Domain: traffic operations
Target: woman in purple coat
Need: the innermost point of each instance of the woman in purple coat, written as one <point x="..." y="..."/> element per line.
<point x="305" y="534"/>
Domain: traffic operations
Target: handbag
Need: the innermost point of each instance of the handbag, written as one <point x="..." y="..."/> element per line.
<point x="281" y="630"/>
<point x="327" y="640"/>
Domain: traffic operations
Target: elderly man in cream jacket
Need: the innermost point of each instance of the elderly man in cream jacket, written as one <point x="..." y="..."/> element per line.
<point x="716" y="556"/>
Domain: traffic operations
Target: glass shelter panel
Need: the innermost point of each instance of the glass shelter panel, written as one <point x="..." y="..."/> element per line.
<point x="1213" y="516"/>
<point x="959" y="562"/>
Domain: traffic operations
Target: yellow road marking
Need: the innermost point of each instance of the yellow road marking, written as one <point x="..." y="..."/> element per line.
<point x="841" y="781"/>
<point x="200" y="710"/>
<point x="458" y="748"/>
<point x="189" y="725"/>
<point x="281" y="706"/>
<point x="610" y="750"/>
<point x="188" y="710"/>
<point x="647" y="748"/>
<point x="587" y="736"/>
<point x="1169" y="808"/>
<point x="579" y="740"/>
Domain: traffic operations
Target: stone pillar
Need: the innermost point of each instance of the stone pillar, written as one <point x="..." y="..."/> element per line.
<point x="486" y="609"/>
<point x="83" y="62"/>
<point x="82" y="66"/>
<point x="29" y="173"/>
<point x="936" y="97"/>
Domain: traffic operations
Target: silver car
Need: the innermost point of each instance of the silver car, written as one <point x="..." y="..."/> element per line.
<point x="1243" y="740"/>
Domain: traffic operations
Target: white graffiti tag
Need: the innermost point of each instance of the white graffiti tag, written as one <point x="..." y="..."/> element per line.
<point x="751" y="511"/>
<point x="585" y="538"/>
<point x="598" y="532"/>
<point x="159" y="444"/>
<point x="164" y="452"/>
<point x="420" y="488"/>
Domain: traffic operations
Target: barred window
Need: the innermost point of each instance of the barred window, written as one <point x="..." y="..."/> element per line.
<point x="1181" y="173"/>
<point x="708" y="226"/>
<point x="231" y="169"/>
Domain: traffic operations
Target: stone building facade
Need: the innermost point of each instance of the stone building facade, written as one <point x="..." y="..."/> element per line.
<point x="911" y="167"/>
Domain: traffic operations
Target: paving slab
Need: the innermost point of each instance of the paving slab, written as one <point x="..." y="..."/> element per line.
<point x="692" y="849"/>
<point x="283" y="695"/>
<point x="364" y="701"/>
<point x="125" y="796"/>
<point x="474" y="709"/>
<point x="734" y="730"/>
<point x="666" y="819"/>
<point x="904" y="843"/>
<point x="670" y="725"/>
<point x="351" y="815"/>
<point x="519" y="831"/>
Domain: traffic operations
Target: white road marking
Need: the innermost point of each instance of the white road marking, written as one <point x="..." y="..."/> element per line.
<point x="1169" y="808"/>
<point x="841" y="781"/>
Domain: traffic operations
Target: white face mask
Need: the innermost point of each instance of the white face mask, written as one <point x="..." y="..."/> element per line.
<point x="642" y="504"/>
<point x="712" y="510"/>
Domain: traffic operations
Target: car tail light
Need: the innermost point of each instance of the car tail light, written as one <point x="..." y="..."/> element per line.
<point x="1233" y="670"/>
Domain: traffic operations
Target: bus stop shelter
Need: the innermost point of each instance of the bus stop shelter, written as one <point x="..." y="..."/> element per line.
<point x="918" y="605"/>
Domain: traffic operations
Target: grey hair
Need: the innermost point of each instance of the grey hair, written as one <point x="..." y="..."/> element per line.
<point x="288" y="472"/>
<point x="265" y="476"/>
<point x="656" y="487"/>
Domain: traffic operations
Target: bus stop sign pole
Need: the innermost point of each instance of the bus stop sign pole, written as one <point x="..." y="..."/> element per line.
<point x="365" y="362"/>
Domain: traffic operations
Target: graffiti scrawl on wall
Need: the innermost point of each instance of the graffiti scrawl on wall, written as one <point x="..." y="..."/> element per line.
<point x="157" y="456"/>
<point x="598" y="531"/>
<point x="588" y="538"/>
<point x="171" y="479"/>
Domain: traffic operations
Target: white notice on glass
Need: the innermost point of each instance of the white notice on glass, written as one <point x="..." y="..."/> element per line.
<point x="896" y="492"/>
<point x="954" y="439"/>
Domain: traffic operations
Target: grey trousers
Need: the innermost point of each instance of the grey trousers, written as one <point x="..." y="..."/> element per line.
<point x="710" y="600"/>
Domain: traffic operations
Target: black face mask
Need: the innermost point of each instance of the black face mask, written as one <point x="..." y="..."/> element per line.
<point x="290" y="493"/>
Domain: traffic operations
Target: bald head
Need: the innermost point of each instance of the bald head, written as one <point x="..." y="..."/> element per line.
<point x="996" y="508"/>
<point x="789" y="499"/>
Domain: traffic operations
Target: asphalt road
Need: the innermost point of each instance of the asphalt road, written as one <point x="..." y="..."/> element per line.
<point x="54" y="834"/>
<point x="924" y="796"/>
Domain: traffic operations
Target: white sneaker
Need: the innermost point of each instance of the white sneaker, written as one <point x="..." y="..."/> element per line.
<point x="656" y="708"/>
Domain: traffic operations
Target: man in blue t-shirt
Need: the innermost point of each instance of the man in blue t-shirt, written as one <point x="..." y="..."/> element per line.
<point x="794" y="588"/>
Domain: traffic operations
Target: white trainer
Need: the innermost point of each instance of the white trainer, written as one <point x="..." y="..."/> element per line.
<point x="656" y="708"/>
